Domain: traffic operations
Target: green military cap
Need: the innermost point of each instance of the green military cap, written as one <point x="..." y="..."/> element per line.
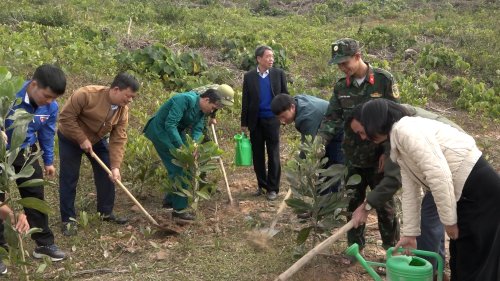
<point x="226" y="93"/>
<point x="343" y="49"/>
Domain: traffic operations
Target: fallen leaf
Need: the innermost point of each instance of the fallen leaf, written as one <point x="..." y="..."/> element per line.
<point x="135" y="209"/>
<point x="161" y="255"/>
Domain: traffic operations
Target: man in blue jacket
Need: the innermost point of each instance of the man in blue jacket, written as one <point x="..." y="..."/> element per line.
<point x="38" y="97"/>
<point x="182" y="114"/>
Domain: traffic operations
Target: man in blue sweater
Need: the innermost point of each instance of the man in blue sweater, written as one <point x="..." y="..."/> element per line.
<point x="38" y="97"/>
<point x="260" y="85"/>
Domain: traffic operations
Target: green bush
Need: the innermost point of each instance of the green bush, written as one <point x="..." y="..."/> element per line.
<point x="381" y="37"/>
<point x="52" y="16"/>
<point x="241" y="51"/>
<point x="476" y="97"/>
<point x="411" y="93"/>
<point x="177" y="70"/>
<point x="263" y="7"/>
<point x="169" y="13"/>
<point x="442" y="57"/>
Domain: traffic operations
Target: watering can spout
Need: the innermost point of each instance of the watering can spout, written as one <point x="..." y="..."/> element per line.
<point x="399" y="268"/>
<point x="353" y="250"/>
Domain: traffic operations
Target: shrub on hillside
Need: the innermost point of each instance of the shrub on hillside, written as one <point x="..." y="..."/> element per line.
<point x="241" y="51"/>
<point x="433" y="56"/>
<point x="177" y="70"/>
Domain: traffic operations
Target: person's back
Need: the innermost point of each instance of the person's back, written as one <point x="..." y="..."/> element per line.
<point x="457" y="147"/>
<point x="178" y="114"/>
<point x="309" y="114"/>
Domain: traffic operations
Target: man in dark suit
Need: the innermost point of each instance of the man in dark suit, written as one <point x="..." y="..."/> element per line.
<point x="260" y="85"/>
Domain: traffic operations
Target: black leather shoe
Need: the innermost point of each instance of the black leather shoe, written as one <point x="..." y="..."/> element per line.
<point x="114" y="219"/>
<point x="259" y="192"/>
<point x="184" y="216"/>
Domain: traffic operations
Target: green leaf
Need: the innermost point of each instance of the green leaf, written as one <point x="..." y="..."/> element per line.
<point x="303" y="234"/>
<point x="41" y="268"/>
<point x="33" y="156"/>
<point x="3" y="253"/>
<point x="32" y="183"/>
<point x="333" y="170"/>
<point x="10" y="234"/>
<point x="203" y="195"/>
<point x="186" y="192"/>
<point x="329" y="183"/>
<point x="26" y="172"/>
<point x="12" y="155"/>
<point x="35" y="203"/>
<point x="33" y="231"/>
<point x="353" y="180"/>
<point x="179" y="193"/>
<point x="178" y="162"/>
<point x="18" y="136"/>
<point x="298" y="205"/>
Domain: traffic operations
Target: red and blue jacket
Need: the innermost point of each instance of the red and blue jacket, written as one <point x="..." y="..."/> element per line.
<point x="41" y="129"/>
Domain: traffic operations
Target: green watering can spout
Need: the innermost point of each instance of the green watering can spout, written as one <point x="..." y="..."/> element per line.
<point x="401" y="268"/>
<point x="353" y="250"/>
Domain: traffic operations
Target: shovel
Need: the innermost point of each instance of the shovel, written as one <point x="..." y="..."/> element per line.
<point x="231" y="202"/>
<point x="271" y="231"/>
<point x="144" y="212"/>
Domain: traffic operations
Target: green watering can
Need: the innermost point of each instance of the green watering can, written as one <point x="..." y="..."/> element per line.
<point x="243" y="155"/>
<point x="401" y="268"/>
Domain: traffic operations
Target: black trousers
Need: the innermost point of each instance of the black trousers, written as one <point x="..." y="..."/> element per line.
<point x="70" y="155"/>
<point x="475" y="255"/>
<point x="35" y="218"/>
<point x="266" y="136"/>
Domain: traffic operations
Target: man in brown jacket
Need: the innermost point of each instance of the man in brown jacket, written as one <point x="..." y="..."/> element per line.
<point x="93" y="119"/>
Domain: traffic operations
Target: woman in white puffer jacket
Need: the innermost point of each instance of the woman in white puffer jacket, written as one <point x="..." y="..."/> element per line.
<point x="438" y="158"/>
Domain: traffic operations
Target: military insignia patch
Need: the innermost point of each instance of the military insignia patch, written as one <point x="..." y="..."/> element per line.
<point x="335" y="48"/>
<point x="395" y="91"/>
<point x="376" y="95"/>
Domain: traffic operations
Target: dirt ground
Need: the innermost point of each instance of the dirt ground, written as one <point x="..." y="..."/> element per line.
<point x="217" y="245"/>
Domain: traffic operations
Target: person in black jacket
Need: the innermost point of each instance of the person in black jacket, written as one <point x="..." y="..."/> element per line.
<point x="260" y="86"/>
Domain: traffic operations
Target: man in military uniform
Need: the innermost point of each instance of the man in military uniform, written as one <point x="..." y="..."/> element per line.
<point x="362" y="83"/>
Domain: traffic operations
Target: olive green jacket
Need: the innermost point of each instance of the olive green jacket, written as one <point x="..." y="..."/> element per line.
<point x="348" y="94"/>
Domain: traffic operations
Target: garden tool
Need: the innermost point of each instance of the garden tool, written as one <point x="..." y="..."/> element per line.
<point x="401" y="268"/>
<point x="144" y="212"/>
<point x="316" y="250"/>
<point x="231" y="202"/>
<point x="271" y="231"/>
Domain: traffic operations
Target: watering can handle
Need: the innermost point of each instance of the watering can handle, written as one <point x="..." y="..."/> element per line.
<point x="422" y="253"/>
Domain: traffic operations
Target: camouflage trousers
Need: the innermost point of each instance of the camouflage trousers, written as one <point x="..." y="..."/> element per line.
<point x="388" y="222"/>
